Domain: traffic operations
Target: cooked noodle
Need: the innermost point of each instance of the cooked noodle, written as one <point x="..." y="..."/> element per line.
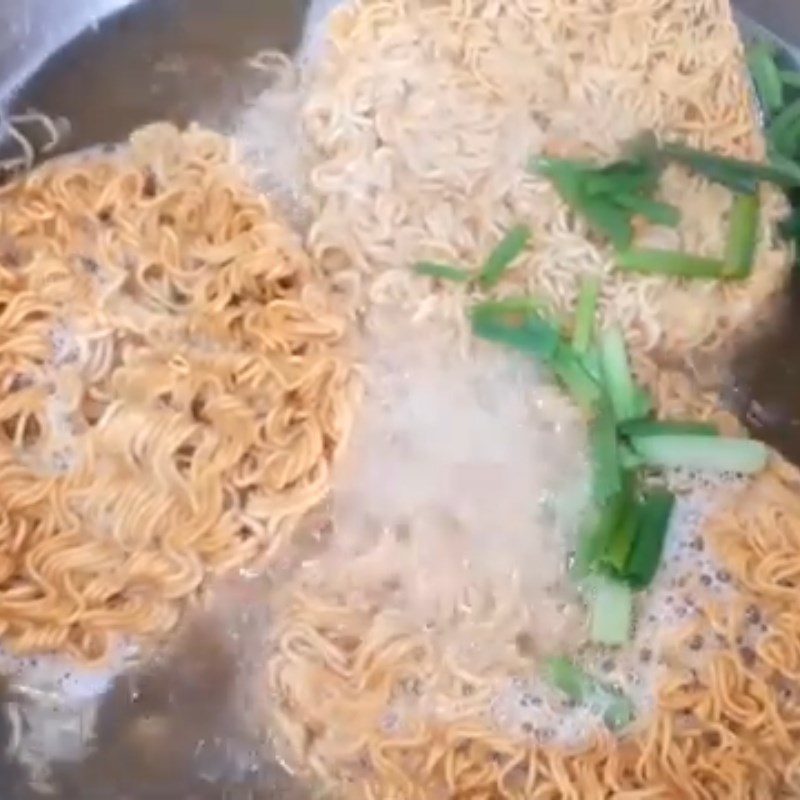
<point x="173" y="388"/>
<point x="422" y="115"/>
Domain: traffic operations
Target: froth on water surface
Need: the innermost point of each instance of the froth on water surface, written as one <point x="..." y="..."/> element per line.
<point x="462" y="487"/>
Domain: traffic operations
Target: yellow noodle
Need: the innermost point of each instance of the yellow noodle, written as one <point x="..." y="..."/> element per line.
<point x="422" y="115"/>
<point x="173" y="388"/>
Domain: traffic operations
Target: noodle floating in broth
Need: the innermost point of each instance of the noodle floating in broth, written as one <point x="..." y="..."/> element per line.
<point x="176" y="392"/>
<point x="173" y="387"/>
<point x="422" y="118"/>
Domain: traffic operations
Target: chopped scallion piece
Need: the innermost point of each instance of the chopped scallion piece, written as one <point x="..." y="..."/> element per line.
<point x="783" y="133"/>
<point x="617" y="377"/>
<point x="670" y="262"/>
<point x="531" y="334"/>
<point x="711" y="453"/>
<point x="583" y="330"/>
<point x="790" y="78"/>
<point x="653" y="210"/>
<point x="510" y="306"/>
<point x="442" y="272"/>
<point x="611" y="604"/>
<point x="604" y="446"/>
<point x="570" y="369"/>
<point x="646" y="427"/>
<point x="643" y="403"/>
<point x="615" y="709"/>
<point x="655" y="513"/>
<point x="600" y="526"/>
<point x="784" y="163"/>
<point x="629" y="178"/>
<point x="740" y="250"/>
<point x="609" y="220"/>
<point x="767" y="78"/>
<point x="620" y="543"/>
<point x="740" y="176"/>
<point x="510" y="246"/>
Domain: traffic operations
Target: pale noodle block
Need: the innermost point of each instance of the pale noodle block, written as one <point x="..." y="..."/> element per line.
<point x="423" y="117"/>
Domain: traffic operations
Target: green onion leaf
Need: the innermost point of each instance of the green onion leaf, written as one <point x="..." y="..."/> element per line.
<point x="740" y="250"/>
<point x="790" y="78"/>
<point x="606" y="468"/>
<point x="620" y="543"/>
<point x="656" y="212"/>
<point x="442" y="272"/>
<point x="629" y="178"/>
<point x="740" y="176"/>
<point x="787" y="165"/>
<point x="766" y="76"/>
<point x="708" y="453"/>
<point x="571" y="370"/>
<point x="655" y="513"/>
<point x="643" y="405"/>
<point x="617" y="376"/>
<point x="532" y="334"/>
<point x="609" y="220"/>
<point x="510" y="246"/>
<point x="783" y="133"/>
<point x="510" y="307"/>
<point x="670" y="262"/>
<point x="615" y="709"/>
<point x="583" y="330"/>
<point x="611" y="610"/>
<point x="600" y="526"/>
<point x="646" y="427"/>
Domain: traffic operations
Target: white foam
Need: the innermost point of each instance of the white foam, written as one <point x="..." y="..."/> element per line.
<point x="531" y="709"/>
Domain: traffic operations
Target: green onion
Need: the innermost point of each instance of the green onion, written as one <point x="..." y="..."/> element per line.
<point x="442" y="272"/>
<point x="642" y="403"/>
<point x="606" y="468"/>
<point x="784" y="163"/>
<point x="601" y="524"/>
<point x="655" y="513"/>
<point x="617" y="376"/>
<point x="611" y="608"/>
<point x="510" y="307"/>
<point x="629" y="177"/>
<point x="646" y="427"/>
<point x="712" y="453"/>
<point x="531" y="335"/>
<point x="740" y="176"/>
<point x="766" y="77"/>
<point x="628" y="457"/>
<point x="594" y="532"/>
<point x="615" y="709"/>
<point x="740" y="250"/>
<point x="670" y="262"/>
<point x="571" y="370"/>
<point x="609" y="220"/>
<point x="620" y="543"/>
<point x="567" y="678"/>
<point x="583" y="330"/>
<point x="510" y="246"/>
<point x="790" y="78"/>
<point x="783" y="133"/>
<point x="656" y="212"/>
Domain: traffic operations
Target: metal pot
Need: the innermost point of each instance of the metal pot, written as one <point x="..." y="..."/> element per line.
<point x="167" y="732"/>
